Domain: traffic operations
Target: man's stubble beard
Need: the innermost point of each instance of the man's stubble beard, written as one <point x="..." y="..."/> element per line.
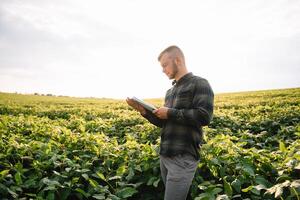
<point x="175" y="71"/>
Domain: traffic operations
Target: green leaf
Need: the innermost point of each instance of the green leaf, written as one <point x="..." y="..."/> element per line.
<point x="126" y="192"/>
<point x="30" y="195"/>
<point x="93" y="183"/>
<point x="151" y="180"/>
<point x="282" y="178"/>
<point x="247" y="189"/>
<point x="99" y="196"/>
<point x="3" y="173"/>
<point x="205" y="196"/>
<point x="113" y="197"/>
<point x="30" y="182"/>
<point x="75" y="180"/>
<point x="50" y="187"/>
<point x="138" y="168"/>
<point x="64" y="193"/>
<point x="236" y="184"/>
<point x="216" y="190"/>
<point x="215" y="161"/>
<point x="114" y="178"/>
<point x="282" y="147"/>
<point x="259" y="187"/>
<point x="222" y="197"/>
<point x="85" y="176"/>
<point x="86" y="195"/>
<point x="227" y="188"/>
<point x="13" y="194"/>
<point x="155" y="183"/>
<point x="202" y="187"/>
<point x="101" y="176"/>
<point x="237" y="196"/>
<point x="121" y="170"/>
<point x="57" y="173"/>
<point x="49" y="182"/>
<point x="222" y="172"/>
<point x="68" y="169"/>
<point x="50" y="196"/>
<point x="85" y="170"/>
<point x="18" y="178"/>
<point x="130" y="174"/>
<point x="260" y="180"/>
<point x="256" y="189"/>
<point x="249" y="170"/>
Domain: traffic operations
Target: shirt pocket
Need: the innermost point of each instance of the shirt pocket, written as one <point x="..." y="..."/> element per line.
<point x="184" y="99"/>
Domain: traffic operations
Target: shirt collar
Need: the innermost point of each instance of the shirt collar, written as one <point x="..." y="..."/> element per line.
<point x="182" y="79"/>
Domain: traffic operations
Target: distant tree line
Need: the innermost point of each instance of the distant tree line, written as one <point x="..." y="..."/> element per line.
<point x="38" y="94"/>
<point x="50" y="95"/>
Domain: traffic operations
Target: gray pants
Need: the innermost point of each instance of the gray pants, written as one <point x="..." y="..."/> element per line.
<point x="177" y="173"/>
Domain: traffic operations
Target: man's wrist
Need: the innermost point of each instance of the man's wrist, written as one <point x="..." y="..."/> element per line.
<point x="172" y="113"/>
<point x="143" y="112"/>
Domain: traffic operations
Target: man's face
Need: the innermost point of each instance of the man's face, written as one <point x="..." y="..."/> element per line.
<point x="169" y="66"/>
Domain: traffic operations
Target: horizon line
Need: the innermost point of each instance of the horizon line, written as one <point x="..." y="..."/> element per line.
<point x="94" y="97"/>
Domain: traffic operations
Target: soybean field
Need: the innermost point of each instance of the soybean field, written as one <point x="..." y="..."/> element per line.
<point x="90" y="148"/>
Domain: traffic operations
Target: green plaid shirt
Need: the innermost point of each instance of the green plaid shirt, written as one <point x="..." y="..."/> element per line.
<point x="190" y="103"/>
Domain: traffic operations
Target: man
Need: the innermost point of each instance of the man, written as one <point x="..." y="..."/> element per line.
<point x="188" y="106"/>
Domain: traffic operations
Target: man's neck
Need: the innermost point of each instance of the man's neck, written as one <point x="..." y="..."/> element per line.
<point x="179" y="75"/>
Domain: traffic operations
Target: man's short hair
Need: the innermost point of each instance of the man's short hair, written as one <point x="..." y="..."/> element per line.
<point x="175" y="50"/>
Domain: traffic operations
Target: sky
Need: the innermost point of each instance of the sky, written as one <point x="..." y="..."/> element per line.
<point x="109" y="49"/>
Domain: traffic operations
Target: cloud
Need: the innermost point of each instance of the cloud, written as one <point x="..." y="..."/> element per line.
<point x="41" y="33"/>
<point x="97" y="48"/>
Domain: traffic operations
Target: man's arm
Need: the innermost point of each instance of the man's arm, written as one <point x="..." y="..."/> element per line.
<point x="153" y="119"/>
<point x="145" y="113"/>
<point x="202" y="111"/>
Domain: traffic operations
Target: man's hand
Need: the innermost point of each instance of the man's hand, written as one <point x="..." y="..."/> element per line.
<point x="136" y="106"/>
<point x="161" y="112"/>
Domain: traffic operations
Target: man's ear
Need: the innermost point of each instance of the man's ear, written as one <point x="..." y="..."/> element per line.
<point x="177" y="61"/>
